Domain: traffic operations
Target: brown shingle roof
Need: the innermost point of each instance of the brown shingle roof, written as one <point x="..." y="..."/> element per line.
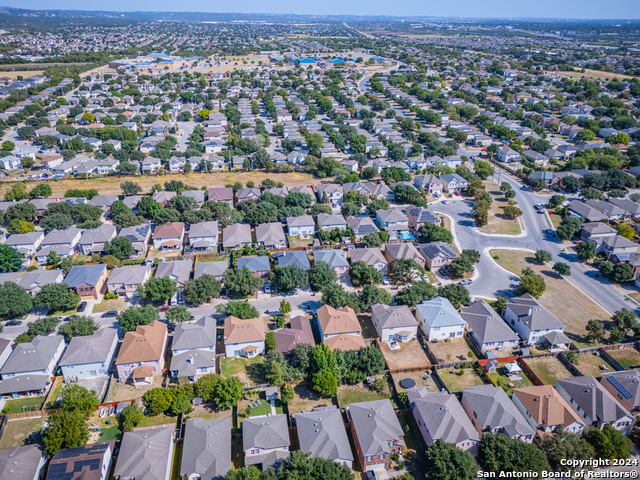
<point x="144" y="344"/>
<point x="169" y="230"/>
<point x="345" y="342"/>
<point x="338" y="320"/>
<point x="242" y="331"/>
<point x="546" y="405"/>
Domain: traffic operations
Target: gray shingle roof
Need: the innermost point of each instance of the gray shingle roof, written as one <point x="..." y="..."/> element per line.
<point x="207" y="448"/>
<point x="370" y="256"/>
<point x="200" y="334"/>
<point x="33" y="356"/>
<point x="486" y="324"/>
<point x="321" y="433"/>
<point x="335" y="258"/>
<point x="531" y="312"/>
<point x="265" y="432"/>
<point x="20" y="462"/>
<point x="145" y="453"/>
<point x="215" y="269"/>
<point x="178" y="270"/>
<point x="255" y="264"/>
<point x="80" y="274"/>
<point x="592" y="398"/>
<point x="375" y="424"/>
<point x="89" y="349"/>
<point x="393" y="317"/>
<point x="187" y="363"/>
<point x="298" y="258"/>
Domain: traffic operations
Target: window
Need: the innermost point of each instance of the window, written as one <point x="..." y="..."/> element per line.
<point x="381" y="456"/>
<point x="369" y="458"/>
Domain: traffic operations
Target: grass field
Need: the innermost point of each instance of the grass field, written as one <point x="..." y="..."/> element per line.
<point x="23" y="405"/>
<point x="20" y="73"/>
<point x="457" y="383"/>
<point x="454" y="351"/>
<point x="559" y="293"/>
<point x="108" y="305"/>
<point x="17" y="431"/>
<point x="548" y="369"/>
<point x="111" y="185"/>
<point x="498" y="223"/>
<point x="264" y="408"/>
<point x="306" y="399"/>
<point x="360" y="393"/>
<point x="253" y="369"/>
<point x="628" y="358"/>
<point x="500" y="379"/>
<point x="589" y="364"/>
<point x="161" y="419"/>
<point x="120" y="392"/>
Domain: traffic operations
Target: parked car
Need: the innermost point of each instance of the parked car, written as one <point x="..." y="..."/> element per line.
<point x="13" y="323"/>
<point x="466" y="282"/>
<point x="267" y="288"/>
<point x="164" y="308"/>
<point x="110" y="314"/>
<point x="82" y="307"/>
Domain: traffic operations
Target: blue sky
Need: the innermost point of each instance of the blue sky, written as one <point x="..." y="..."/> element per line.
<point x="588" y="9"/>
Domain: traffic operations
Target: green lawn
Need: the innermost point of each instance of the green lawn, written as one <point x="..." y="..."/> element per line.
<point x="213" y="259"/>
<point x="628" y="358"/>
<point x="150" y="421"/>
<point x="360" y="393"/>
<point x="253" y="368"/>
<point x="457" y="383"/>
<point x="110" y="432"/>
<point x="264" y="408"/>
<point x="17" y="431"/>
<point x="176" y="461"/>
<point x="503" y="381"/>
<point x="548" y="369"/>
<point x="29" y="404"/>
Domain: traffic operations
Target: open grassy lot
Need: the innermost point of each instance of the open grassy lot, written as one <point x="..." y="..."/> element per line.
<point x="589" y="364"/>
<point x="251" y="369"/>
<point x="548" y="369"/>
<point x="457" y="350"/>
<point x="120" y="392"/>
<point x="20" y="73"/>
<point x="23" y="405"/>
<point x="208" y="412"/>
<point x="457" y="382"/>
<point x="360" y="393"/>
<point x="409" y="355"/>
<point x="18" y="431"/>
<point x="628" y="358"/>
<point x="560" y="293"/>
<point x="108" y="305"/>
<point x="306" y="399"/>
<point x="498" y="223"/>
<point x="161" y="419"/>
<point x="264" y="408"/>
<point x="111" y="185"/>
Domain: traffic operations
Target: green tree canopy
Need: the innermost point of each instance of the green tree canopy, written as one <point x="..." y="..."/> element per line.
<point x="57" y="297"/>
<point x="64" y="430"/>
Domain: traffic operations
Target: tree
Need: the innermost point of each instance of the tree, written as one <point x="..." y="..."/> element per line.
<point x="372" y="240"/>
<point x="595" y="330"/>
<point x="21" y="211"/>
<point x="622" y="272"/>
<point x="57" y="221"/>
<point x="430" y="232"/>
<point x="609" y="443"/>
<point x="269" y="345"/>
<point x="562" y="268"/>
<point x="586" y="251"/>
<point x="299" y="465"/>
<point x="148" y="207"/>
<point x="130" y="417"/>
<point x="483" y="169"/>
<point x="240" y="309"/>
<point x="241" y="282"/>
<point x="325" y="383"/>
<point x="201" y="290"/>
<point x="64" y="430"/>
<point x="287" y="393"/>
<point x="570" y="184"/>
<point x="499" y="452"/>
<point x="178" y="313"/>
<point x="457" y="294"/>
<point x="624" y="319"/>
<point x="245" y="473"/>
<point x="15" y="301"/>
<point x="363" y="274"/>
<point x="182" y="397"/>
<point x="543" y="256"/>
<point x="321" y="276"/>
<point x="119" y="247"/>
<point x="615" y="335"/>
<point x="158" y="289"/>
<point x="569" y="227"/>
<point x="285" y="307"/>
<point x="130" y="188"/>
<point x="401" y="270"/>
<point x="228" y="392"/>
<point x="336" y="296"/>
<point x="416" y="293"/>
<point x="57" y="297"/>
<point x="370" y="295"/>
<point x="533" y="284"/>
<point x="132" y="317"/>
<point x="78" y="326"/>
<point x="287" y="278"/>
<point x="10" y="259"/>
<point x="158" y="400"/>
<point x="20" y="226"/>
<point x="566" y="446"/>
<point x="78" y="399"/>
<point x="444" y="461"/>
<point x="626" y="231"/>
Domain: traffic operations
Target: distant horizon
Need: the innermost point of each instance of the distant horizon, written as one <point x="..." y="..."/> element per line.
<point x="627" y="10"/>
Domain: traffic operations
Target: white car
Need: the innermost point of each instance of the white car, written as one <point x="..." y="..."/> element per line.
<point x="385" y="280"/>
<point x="466" y="282"/>
<point x="445" y="202"/>
<point x="267" y="288"/>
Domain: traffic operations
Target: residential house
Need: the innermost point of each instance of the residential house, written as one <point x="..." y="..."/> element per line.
<point x="618" y="246"/>
<point x="453" y="183"/>
<point x="508" y="155"/>
<point x="299" y="331"/>
<point x="22" y="463"/>
<point x="592" y="402"/>
<point x="203" y="235"/>
<point x="197" y="195"/>
<point x="371" y="256"/>
<point x="10" y="162"/>
<point x="271" y="235"/>
<point x="418" y="216"/>
<point x="530" y="319"/>
<point x="89" y="281"/>
<point x="31" y="365"/>
<point x="265" y="440"/>
<point x="248" y="194"/>
<point x="335" y="258"/>
<point x="236" y="235"/>
<point x="487" y="329"/>
<point x="103" y="201"/>
<point x="491" y="410"/>
<point x="145" y="454"/>
<point x="169" y="236"/>
<point x="94" y="239"/>
<point x="221" y="194"/>
<point x="34" y="280"/>
<point x="68" y="238"/>
<point x="631" y="209"/>
<point x="141" y="355"/>
<point x="440" y="416"/>
<point x="125" y="280"/>
<point x="439" y="320"/>
<point x="321" y="433"/>
<point x="328" y="222"/>
<point x="178" y="271"/>
<point x="206" y="452"/>
<point x="339" y="328"/>
<point x="5" y="350"/>
<point x="89" y="356"/>
<point x="586" y="211"/>
<point x="361" y="226"/>
<point x="429" y="183"/>
<point x="215" y="269"/>
<point x="437" y="255"/>
<point x="393" y="221"/>
<point x="139" y="236"/>
<point x="89" y="462"/>
<point x="394" y="323"/>
<point x="545" y="410"/>
<point x="258" y="266"/>
<point x="625" y="387"/>
<point x="302" y="226"/>
<point x="163" y="197"/>
<point x="596" y="232"/>
<point x="25" y="243"/>
<point x="406" y="251"/>
<point x="298" y="258"/>
<point x="243" y="338"/>
<point x="331" y="192"/>
<point x="377" y="433"/>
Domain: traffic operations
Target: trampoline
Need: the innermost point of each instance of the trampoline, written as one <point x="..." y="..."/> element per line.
<point x="407" y="383"/>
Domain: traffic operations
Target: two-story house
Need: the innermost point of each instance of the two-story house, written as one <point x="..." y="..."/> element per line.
<point x="141" y="355"/>
<point x="93" y="239"/>
<point x="89" y="281"/>
<point x="530" y="319"/>
<point x="439" y="320"/>
<point x="193" y="349"/>
<point x="124" y="281"/>
<point x="339" y="328"/>
<point x="394" y="323"/>
<point x="203" y="235"/>
<point x="89" y="356"/>
<point x="265" y="440"/>
<point x="302" y="226"/>
<point x="321" y="433"/>
<point x="169" y="236"/>
<point x="243" y="338"/>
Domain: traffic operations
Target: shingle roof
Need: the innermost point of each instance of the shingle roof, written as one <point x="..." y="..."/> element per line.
<point x="321" y="433"/>
<point x="375" y="424"/>
<point x="129" y="274"/>
<point x="243" y="331"/>
<point x="207" y="448"/>
<point x="215" y="269"/>
<point x="145" y="453"/>
<point x="255" y="264"/>
<point x="85" y="274"/>
<point x="298" y="258"/>
<point x="270" y="234"/>
<point x="337" y="320"/>
<point x="89" y="349"/>
<point x="546" y="406"/>
<point x="265" y="432"/>
<point x="593" y="398"/>
<point x="345" y="342"/>
<point x="189" y="363"/>
<point x="18" y="463"/>
<point x="393" y="317"/>
<point x="438" y="312"/>
<point x="370" y="256"/>
<point x="204" y="229"/>
<point x="81" y="463"/>
<point x="33" y="356"/>
<point x="200" y="334"/>
<point x="533" y="314"/>
<point x="486" y="324"/>
<point x="299" y="332"/>
<point x="169" y="230"/>
<point x="335" y="258"/>
<point x="144" y="344"/>
<point x="177" y="270"/>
